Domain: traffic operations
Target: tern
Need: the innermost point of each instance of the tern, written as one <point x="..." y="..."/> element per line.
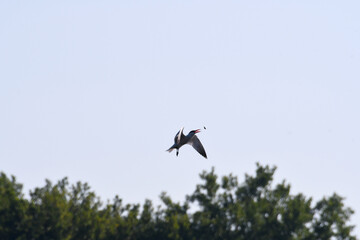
<point x="180" y="140"/>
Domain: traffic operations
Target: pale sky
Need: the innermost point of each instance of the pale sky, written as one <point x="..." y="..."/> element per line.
<point x="96" y="91"/>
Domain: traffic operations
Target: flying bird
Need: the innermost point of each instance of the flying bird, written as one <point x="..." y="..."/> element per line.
<point x="180" y="140"/>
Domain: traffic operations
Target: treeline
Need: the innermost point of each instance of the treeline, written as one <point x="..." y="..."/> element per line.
<point x="223" y="209"/>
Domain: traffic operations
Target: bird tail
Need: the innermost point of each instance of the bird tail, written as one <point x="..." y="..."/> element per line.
<point x="170" y="149"/>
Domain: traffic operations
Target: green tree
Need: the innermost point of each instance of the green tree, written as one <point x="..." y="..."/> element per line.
<point x="173" y="221"/>
<point x="48" y="212"/>
<point x="12" y="208"/>
<point x="256" y="210"/>
<point x="330" y="219"/>
<point x="87" y="221"/>
<point x="219" y="208"/>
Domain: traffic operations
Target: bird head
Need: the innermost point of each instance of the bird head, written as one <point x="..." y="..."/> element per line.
<point x="196" y="131"/>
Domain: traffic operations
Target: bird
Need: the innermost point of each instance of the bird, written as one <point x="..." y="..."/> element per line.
<point x="180" y="140"/>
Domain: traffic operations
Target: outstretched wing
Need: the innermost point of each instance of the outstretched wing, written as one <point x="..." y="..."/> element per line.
<point x="195" y="142"/>
<point x="179" y="135"/>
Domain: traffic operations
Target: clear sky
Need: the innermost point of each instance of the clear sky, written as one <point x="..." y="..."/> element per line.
<point x="96" y="91"/>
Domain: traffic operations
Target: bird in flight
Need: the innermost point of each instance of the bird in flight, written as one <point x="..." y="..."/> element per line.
<point x="180" y="140"/>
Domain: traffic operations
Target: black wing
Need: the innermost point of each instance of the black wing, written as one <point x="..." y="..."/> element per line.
<point x="195" y="142"/>
<point x="179" y="135"/>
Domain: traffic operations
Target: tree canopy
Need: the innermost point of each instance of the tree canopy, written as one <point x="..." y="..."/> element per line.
<point x="219" y="208"/>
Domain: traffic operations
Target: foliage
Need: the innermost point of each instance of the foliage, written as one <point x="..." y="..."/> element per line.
<point x="225" y="209"/>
